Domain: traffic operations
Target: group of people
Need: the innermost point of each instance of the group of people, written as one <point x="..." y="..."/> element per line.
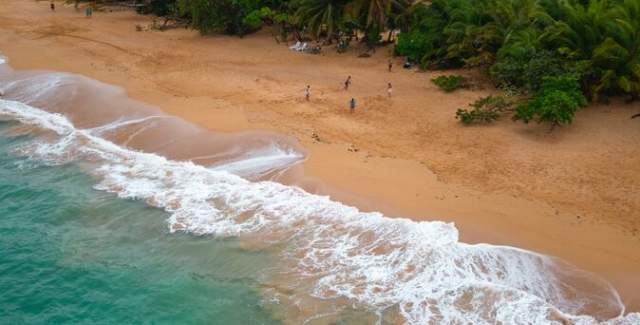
<point x="347" y="83"/>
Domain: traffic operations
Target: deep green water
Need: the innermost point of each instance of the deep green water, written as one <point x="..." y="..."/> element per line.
<point x="73" y="255"/>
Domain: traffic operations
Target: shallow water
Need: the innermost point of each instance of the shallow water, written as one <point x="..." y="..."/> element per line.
<point x="71" y="254"/>
<point x="207" y="236"/>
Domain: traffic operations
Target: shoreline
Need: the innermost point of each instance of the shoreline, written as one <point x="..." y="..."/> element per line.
<point x="375" y="172"/>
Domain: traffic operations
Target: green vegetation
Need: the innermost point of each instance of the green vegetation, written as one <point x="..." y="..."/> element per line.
<point x="520" y="44"/>
<point x="237" y="17"/>
<point x="159" y="7"/>
<point x="555" y="103"/>
<point x="483" y="110"/>
<point x="450" y="83"/>
<point x="333" y="20"/>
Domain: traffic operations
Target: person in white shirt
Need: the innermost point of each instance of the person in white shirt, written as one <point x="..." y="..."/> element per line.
<point x="307" y="92"/>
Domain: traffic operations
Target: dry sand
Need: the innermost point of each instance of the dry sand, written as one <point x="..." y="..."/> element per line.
<point x="572" y="193"/>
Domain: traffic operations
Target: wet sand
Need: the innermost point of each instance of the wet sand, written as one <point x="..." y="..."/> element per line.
<point x="573" y="193"/>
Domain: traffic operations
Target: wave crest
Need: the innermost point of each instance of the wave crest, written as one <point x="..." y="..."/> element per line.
<point x="335" y="251"/>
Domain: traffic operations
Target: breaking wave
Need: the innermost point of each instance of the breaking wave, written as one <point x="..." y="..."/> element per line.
<point x="332" y="251"/>
<point x="418" y="270"/>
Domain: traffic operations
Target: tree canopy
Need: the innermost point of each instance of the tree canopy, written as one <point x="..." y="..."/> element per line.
<point x="519" y="43"/>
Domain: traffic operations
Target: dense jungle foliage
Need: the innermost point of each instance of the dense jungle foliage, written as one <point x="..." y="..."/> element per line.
<point x="592" y="44"/>
<point x="520" y="42"/>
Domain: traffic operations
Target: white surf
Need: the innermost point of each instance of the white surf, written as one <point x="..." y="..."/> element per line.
<point x="376" y="262"/>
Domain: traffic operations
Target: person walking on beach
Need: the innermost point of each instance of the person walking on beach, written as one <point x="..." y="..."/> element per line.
<point x="352" y="105"/>
<point x="347" y="83"/>
<point x="389" y="89"/>
<point x="390" y="65"/>
<point x="88" y="12"/>
<point x="52" y="6"/>
<point x="307" y="92"/>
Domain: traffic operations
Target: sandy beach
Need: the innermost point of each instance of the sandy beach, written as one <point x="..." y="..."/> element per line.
<point x="572" y="193"/>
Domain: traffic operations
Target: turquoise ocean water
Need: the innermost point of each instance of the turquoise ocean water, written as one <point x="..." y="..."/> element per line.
<point x="73" y="255"/>
<point x="92" y="232"/>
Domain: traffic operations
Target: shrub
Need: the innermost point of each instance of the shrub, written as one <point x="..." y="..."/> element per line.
<point x="524" y="41"/>
<point x="541" y="65"/>
<point x="372" y="36"/>
<point x="555" y="103"/>
<point x="253" y="20"/>
<point x="227" y="16"/>
<point x="526" y="71"/>
<point x="158" y="7"/>
<point x="483" y="110"/>
<point x="422" y="40"/>
<point x="412" y="45"/>
<point x="450" y="83"/>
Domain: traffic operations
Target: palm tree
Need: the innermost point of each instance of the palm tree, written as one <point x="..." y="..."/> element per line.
<point x="322" y="16"/>
<point x="465" y="37"/>
<point x="502" y="21"/>
<point x="576" y="33"/>
<point x="397" y="18"/>
<point x="373" y="12"/>
<point x="377" y="15"/>
<point x="619" y="54"/>
<point x="604" y="37"/>
<point x="579" y="28"/>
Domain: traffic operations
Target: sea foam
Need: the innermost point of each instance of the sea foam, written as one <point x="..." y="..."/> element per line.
<point x="378" y="263"/>
<point x="255" y="164"/>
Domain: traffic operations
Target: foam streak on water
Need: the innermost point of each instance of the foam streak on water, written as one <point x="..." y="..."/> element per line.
<point x="263" y="161"/>
<point x="377" y="262"/>
<point x="110" y="114"/>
